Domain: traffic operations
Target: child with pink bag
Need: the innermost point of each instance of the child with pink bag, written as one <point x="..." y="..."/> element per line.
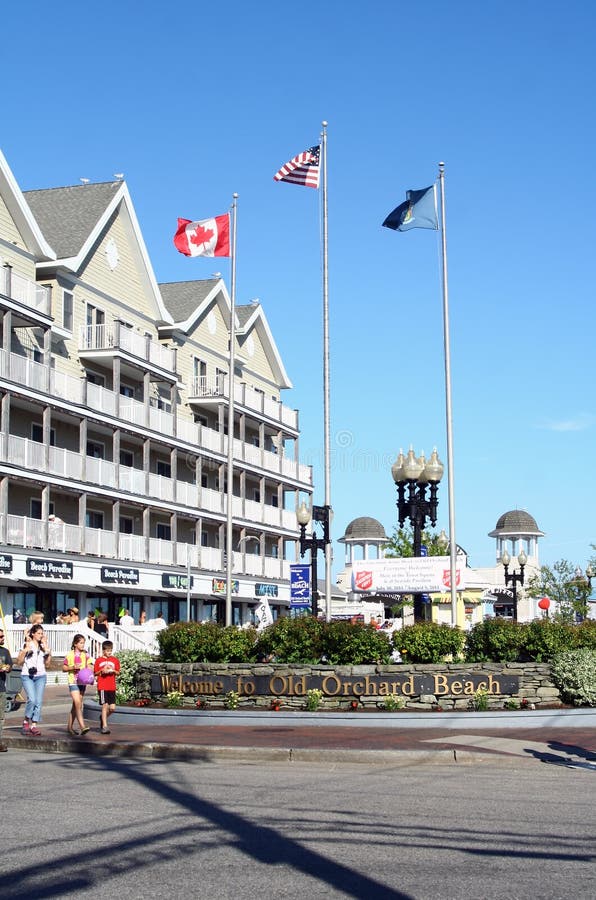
<point x="79" y="666"/>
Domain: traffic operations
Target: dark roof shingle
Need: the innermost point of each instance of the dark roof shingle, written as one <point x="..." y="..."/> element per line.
<point x="68" y="215"/>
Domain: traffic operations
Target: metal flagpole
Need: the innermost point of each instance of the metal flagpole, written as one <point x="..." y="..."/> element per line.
<point x="326" y="381"/>
<point x="230" y="465"/>
<point x="188" y="582"/>
<point x="448" y="415"/>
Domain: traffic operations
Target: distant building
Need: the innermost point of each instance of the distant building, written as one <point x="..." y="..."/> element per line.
<point x="484" y="593"/>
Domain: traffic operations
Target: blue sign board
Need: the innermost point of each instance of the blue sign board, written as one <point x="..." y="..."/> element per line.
<point x="299" y="586"/>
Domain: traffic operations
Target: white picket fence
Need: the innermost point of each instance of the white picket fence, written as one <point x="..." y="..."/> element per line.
<point x="59" y="638"/>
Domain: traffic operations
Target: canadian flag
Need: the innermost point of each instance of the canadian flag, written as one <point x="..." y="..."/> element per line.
<point x="209" y="237"/>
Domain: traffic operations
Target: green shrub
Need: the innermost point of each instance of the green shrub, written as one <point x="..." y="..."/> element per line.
<point x="308" y="640"/>
<point x="129" y="664"/>
<point x="428" y="642"/>
<point x="291" y="640"/>
<point x="544" y="638"/>
<point x="495" y="640"/>
<point x="584" y="635"/>
<point x="344" y="644"/>
<point x="574" y="673"/>
<point x="208" y="642"/>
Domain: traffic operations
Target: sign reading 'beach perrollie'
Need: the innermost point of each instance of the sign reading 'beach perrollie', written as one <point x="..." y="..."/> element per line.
<point x="333" y="685"/>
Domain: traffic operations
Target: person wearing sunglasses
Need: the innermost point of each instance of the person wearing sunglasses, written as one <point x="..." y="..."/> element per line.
<point x="34" y="659"/>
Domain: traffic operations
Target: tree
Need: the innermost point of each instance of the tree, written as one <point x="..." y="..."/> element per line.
<point x="402" y="543"/>
<point x="562" y="586"/>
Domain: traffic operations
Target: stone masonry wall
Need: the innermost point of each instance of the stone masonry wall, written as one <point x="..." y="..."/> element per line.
<point x="423" y="687"/>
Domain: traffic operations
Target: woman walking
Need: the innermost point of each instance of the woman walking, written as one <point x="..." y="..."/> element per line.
<point x="34" y="659"/>
<point x="79" y="666"/>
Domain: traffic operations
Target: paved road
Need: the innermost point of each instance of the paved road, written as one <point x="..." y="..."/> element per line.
<point x="106" y="827"/>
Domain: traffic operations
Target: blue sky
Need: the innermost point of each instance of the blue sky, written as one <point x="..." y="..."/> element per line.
<point x="194" y="103"/>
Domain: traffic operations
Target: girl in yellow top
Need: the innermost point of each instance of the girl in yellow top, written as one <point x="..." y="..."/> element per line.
<point x="80" y="673"/>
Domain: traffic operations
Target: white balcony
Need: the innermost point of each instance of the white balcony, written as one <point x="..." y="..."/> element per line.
<point x="107" y="339"/>
<point x="64" y="537"/>
<point x="26" y="292"/>
<point x="205" y="390"/>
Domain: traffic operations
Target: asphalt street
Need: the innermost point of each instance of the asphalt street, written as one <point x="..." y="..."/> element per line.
<point x="106" y="827"/>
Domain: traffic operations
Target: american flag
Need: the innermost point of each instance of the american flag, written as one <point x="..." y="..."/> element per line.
<point x="302" y="169"/>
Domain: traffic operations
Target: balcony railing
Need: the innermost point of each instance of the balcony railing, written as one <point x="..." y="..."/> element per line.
<point x="28" y="533"/>
<point x="118" y="337"/>
<point x="31" y="455"/>
<point x="23" y="290"/>
<point x="36" y="376"/>
<point x="204" y="388"/>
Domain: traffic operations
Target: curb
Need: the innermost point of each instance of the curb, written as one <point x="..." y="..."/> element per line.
<point x="186" y="752"/>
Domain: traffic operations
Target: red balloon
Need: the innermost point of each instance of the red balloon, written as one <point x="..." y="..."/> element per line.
<point x="544" y="603"/>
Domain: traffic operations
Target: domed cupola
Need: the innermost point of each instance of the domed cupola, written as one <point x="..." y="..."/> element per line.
<point x="364" y="537"/>
<point x="515" y="531"/>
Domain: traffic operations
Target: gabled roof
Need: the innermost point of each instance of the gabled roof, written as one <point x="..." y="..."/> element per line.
<point x="68" y="215"/>
<point x="74" y="217"/>
<point x="22" y="214"/>
<point x="187" y="301"/>
<point x="254" y="317"/>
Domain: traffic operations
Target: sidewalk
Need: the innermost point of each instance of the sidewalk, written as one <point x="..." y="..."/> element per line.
<point x="268" y="738"/>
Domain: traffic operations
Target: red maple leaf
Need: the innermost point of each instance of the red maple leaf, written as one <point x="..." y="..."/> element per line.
<point x="201" y="236"/>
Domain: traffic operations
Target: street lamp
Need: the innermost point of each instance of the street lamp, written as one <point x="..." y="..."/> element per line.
<point x="512" y="578"/>
<point x="413" y="476"/>
<point x="314" y="543"/>
<point x="583" y="588"/>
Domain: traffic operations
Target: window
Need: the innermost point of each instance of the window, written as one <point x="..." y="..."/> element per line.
<point x="37" y="434"/>
<point x="163" y="531"/>
<point x="204" y="539"/>
<point x="204" y="480"/>
<point x="95" y="316"/>
<point x="256" y="495"/>
<point x="67" y="306"/>
<point x="35" y="506"/>
<point x="127" y="458"/>
<point x="127" y="391"/>
<point x="96" y="378"/>
<point x="164" y="468"/>
<point x="126" y="525"/>
<point x="95" y="450"/>
<point x="94" y="519"/>
<point x="274" y="500"/>
<point x="200" y="420"/>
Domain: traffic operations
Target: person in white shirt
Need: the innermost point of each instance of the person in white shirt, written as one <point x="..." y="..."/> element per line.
<point x="158" y="623"/>
<point x="126" y="619"/>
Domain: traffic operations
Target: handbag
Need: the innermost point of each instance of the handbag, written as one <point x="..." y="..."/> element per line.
<point x="85" y="676"/>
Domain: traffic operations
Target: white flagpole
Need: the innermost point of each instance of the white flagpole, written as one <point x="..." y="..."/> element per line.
<point x="230" y="460"/>
<point x="448" y="414"/>
<point x="326" y="379"/>
<point x="188" y="582"/>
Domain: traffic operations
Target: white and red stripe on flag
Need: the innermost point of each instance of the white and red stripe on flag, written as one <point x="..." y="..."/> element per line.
<point x="302" y="169"/>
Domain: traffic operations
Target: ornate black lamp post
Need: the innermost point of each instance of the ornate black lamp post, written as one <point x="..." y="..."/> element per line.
<point x="413" y="477"/>
<point x="314" y="543"/>
<point x="512" y="578"/>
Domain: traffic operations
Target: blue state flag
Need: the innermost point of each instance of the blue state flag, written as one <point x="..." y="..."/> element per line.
<point x="418" y="211"/>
